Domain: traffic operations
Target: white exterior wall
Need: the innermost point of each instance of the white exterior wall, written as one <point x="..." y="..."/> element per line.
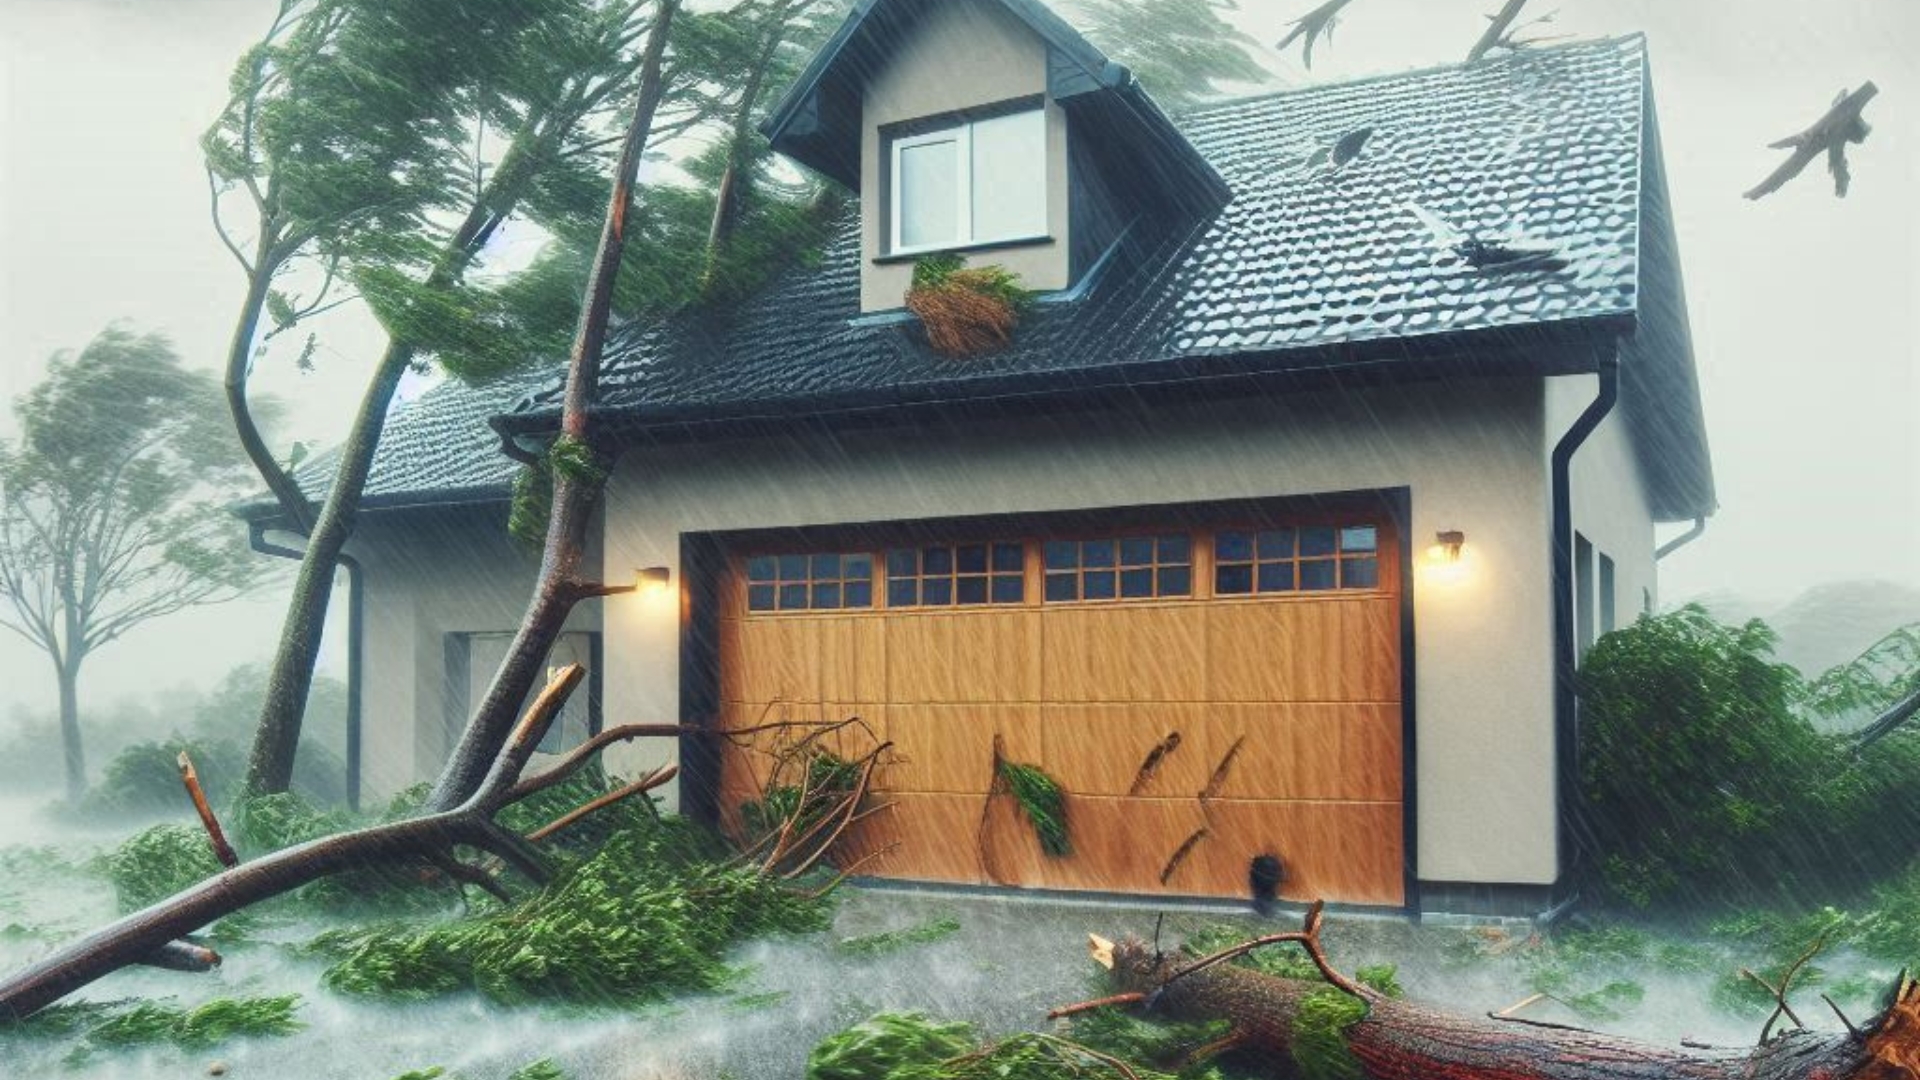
<point x="1467" y="450"/>
<point x="1609" y="496"/>
<point x="964" y="53"/>
<point x="430" y="572"/>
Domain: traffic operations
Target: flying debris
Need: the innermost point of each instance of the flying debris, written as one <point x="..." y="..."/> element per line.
<point x="1502" y="34"/>
<point x="1490" y="256"/>
<point x="1342" y="153"/>
<point x="1842" y="125"/>
<point x="1312" y="26"/>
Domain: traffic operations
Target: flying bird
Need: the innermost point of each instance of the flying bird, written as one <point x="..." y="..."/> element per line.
<point x="1312" y="25"/>
<point x="1831" y="134"/>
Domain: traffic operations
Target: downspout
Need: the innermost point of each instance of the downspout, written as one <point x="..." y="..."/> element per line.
<point x="1685" y="538"/>
<point x="356" y="633"/>
<point x="1565" y="662"/>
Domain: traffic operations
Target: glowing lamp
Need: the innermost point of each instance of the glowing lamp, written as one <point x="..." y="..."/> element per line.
<point x="1446" y="548"/>
<point x="653" y="580"/>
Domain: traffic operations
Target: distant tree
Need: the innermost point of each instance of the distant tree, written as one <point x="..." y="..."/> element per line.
<point x="1180" y="49"/>
<point x="109" y="507"/>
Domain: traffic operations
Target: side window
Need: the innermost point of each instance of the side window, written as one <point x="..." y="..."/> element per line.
<point x="1607" y="600"/>
<point x="1583" y="594"/>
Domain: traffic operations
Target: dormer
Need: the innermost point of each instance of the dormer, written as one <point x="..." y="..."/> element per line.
<point x="988" y="128"/>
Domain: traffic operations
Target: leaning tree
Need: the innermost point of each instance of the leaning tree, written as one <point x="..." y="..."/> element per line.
<point x="108" y="507"/>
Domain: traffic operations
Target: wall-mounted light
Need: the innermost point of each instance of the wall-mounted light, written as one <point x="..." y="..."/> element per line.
<point x="1447" y="547"/>
<point x="653" y="580"/>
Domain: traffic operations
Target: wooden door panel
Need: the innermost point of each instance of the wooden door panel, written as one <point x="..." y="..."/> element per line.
<point x="1125" y="652"/>
<point x="949" y="748"/>
<point x="1100" y="749"/>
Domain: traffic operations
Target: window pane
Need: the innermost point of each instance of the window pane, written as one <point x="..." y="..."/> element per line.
<point x="1136" y="583"/>
<point x="902" y="563"/>
<point x="1317" y="540"/>
<point x="793" y="598"/>
<point x="1317" y="575"/>
<point x="859" y="594"/>
<point x="929" y="207"/>
<point x="1062" y="555"/>
<point x="936" y="592"/>
<point x="826" y="566"/>
<point x="1228" y="580"/>
<point x="1009" y="176"/>
<point x="1276" y="544"/>
<point x="1009" y="589"/>
<point x="760" y="568"/>
<point x="760" y="598"/>
<point x="1360" y="574"/>
<point x="1136" y="551"/>
<point x="793" y="568"/>
<point x="972" y="559"/>
<point x="1009" y="558"/>
<point x="858" y="568"/>
<point x="1176" y="549"/>
<point x="1097" y="553"/>
<point x="1063" y="587"/>
<point x="1276" y="577"/>
<point x="1360" y="538"/>
<point x="827" y="595"/>
<point x="1233" y="547"/>
<point x="1176" y="581"/>
<point x="971" y="590"/>
<point x="1098" y="585"/>
<point x="903" y="592"/>
<point x="936" y="560"/>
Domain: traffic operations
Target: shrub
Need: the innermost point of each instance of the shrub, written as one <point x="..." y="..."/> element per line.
<point x="966" y="311"/>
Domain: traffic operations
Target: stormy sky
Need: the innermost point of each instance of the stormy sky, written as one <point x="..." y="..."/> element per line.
<point x="1802" y="305"/>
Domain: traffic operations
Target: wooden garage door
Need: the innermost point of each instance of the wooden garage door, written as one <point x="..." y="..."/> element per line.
<point x="1256" y="665"/>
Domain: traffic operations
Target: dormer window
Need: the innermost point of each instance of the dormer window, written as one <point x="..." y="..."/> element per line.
<point x="974" y="182"/>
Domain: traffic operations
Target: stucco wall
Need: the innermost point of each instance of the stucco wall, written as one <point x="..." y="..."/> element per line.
<point x="963" y="54"/>
<point x="429" y="573"/>
<point x="1609" y="496"/>
<point x="1467" y="450"/>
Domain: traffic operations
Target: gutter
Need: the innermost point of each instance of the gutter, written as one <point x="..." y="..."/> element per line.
<point x="1565" y="718"/>
<point x="356" y="634"/>
<point x="1685" y="538"/>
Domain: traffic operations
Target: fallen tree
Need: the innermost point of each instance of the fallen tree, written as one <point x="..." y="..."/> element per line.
<point x="1340" y="1028"/>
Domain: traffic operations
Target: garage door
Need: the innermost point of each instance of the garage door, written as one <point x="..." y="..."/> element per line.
<point x="1203" y="693"/>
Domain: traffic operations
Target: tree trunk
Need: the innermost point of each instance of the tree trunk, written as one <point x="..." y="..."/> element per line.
<point x="71" y="747"/>
<point x="1401" y="1040"/>
<point x="293" y="502"/>
<point x="574" y="495"/>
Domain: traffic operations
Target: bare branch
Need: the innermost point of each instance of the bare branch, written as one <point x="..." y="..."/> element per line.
<point x="215" y="835"/>
<point x="647" y="783"/>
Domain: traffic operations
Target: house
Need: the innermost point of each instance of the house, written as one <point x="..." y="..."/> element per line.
<point x="1307" y="478"/>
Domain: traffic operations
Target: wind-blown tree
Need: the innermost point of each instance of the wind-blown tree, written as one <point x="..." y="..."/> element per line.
<point x="525" y="104"/>
<point x="1182" y="50"/>
<point x="109" y="512"/>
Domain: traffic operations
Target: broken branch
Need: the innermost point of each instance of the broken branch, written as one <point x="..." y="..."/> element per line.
<point x="215" y="835"/>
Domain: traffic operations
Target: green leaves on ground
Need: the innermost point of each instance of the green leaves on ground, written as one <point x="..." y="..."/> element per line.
<point x="883" y="1047"/>
<point x="888" y="941"/>
<point x="649" y="915"/>
<point x="106" y="1025"/>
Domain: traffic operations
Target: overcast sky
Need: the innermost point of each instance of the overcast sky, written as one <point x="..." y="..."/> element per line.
<point x="1802" y="304"/>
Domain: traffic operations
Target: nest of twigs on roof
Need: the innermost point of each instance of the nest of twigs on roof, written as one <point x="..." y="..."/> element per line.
<point x="967" y="311"/>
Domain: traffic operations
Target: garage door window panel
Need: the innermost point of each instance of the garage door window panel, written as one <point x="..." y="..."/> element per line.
<point x="1309" y="558"/>
<point x="1119" y="568"/>
<point x="809" y="582"/>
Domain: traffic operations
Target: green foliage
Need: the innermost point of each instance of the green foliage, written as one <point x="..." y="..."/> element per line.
<point x="883" y="1047"/>
<point x="544" y="1069"/>
<point x="1044" y="804"/>
<point x="1280" y="961"/>
<point x="1030" y="1057"/>
<point x="830" y="779"/>
<point x="889" y="941"/>
<point x="1381" y="977"/>
<point x="1318" y="1040"/>
<point x="107" y="1025"/>
<point x="995" y="282"/>
<point x="1886" y="672"/>
<point x="649" y="915"/>
<point x="159" y="862"/>
<point x="1180" y="49"/>
<point x="1148" y="1040"/>
<point x="1704" y="784"/>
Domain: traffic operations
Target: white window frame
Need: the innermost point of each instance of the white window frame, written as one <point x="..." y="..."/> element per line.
<point x="961" y="135"/>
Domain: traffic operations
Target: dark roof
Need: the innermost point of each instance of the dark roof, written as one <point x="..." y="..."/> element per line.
<point x="1307" y="268"/>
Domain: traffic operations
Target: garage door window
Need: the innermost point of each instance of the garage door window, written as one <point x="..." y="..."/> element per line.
<point x="950" y="575"/>
<point x="1312" y="558"/>
<point x="809" y="582"/>
<point x="1119" y="568"/>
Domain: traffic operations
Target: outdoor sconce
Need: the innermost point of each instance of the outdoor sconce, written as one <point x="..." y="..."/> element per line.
<point x="1446" y="548"/>
<point x="653" y="580"/>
